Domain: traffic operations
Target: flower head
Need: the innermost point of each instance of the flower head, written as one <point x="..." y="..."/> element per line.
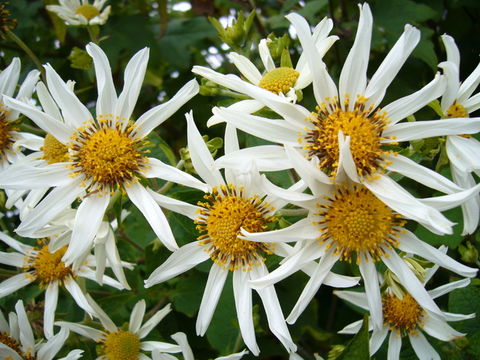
<point x="75" y="12"/>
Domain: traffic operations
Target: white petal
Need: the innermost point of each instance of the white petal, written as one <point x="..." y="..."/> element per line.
<point x="453" y="54"/>
<point x="353" y="77"/>
<point x="244" y="106"/>
<point x="246" y="67"/>
<point x="87" y="222"/>
<point x="78" y="295"/>
<point x="154" y="117"/>
<point x="12" y="259"/>
<point x="301" y="230"/>
<point x="462" y="152"/>
<point x="107" y="96"/>
<point x="265" y="55"/>
<point x="236" y="356"/>
<point x="87" y="331"/>
<point x="405" y="106"/>
<point x="153" y="321"/>
<point x="243" y="305"/>
<point x="161" y="346"/>
<point x="340" y="281"/>
<point x="51" y="299"/>
<point x="163" y="171"/>
<point x="352" y="328"/>
<point x="181" y="340"/>
<point x="469" y="85"/>
<point x="439" y="329"/>
<point x="180" y="261"/>
<point x="73" y="355"/>
<point x="421" y="174"/>
<point x="73" y="111"/>
<point x="154" y="215"/>
<point x="267" y="158"/>
<point x="452" y="75"/>
<point x="202" y="159"/>
<point x="372" y="290"/>
<point x="411" y="244"/>
<point x="52" y="347"/>
<point x="28" y="177"/>
<point x="14" y="244"/>
<point x="114" y="260"/>
<point x="15" y="283"/>
<point x="345" y="159"/>
<point x="26" y="332"/>
<point x="136" y="316"/>
<point x="391" y="65"/>
<point x="394" y="346"/>
<point x="26" y="89"/>
<point x="422" y="347"/>
<point x="7" y="353"/>
<point x="313" y="284"/>
<point x="377" y="339"/>
<point x="355" y="297"/>
<point x="134" y="75"/>
<point x="107" y="323"/>
<point x="211" y="295"/>
<point x="446" y="288"/>
<point x="175" y="205"/>
<point x="9" y="77"/>
<point x="276" y="321"/>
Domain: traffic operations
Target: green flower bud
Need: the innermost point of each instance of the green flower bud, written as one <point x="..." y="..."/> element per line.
<point x="79" y="59"/>
<point x="469" y="252"/>
<point x="236" y="34"/>
<point x="277" y="47"/>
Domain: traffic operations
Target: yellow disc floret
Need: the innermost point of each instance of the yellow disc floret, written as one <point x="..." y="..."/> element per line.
<point x="88" y="11"/>
<point x="11" y="343"/>
<point x="279" y="80"/>
<point x="47" y="266"/>
<point x="364" y="128"/>
<point x="456" y="111"/>
<point x="6" y="133"/>
<point x="53" y="150"/>
<point x="403" y="315"/>
<point x="354" y="221"/>
<point x="222" y="216"/>
<point x="107" y="155"/>
<point x="122" y="345"/>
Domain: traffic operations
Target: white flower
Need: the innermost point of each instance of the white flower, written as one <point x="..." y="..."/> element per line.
<point x="12" y="140"/>
<point x="75" y="12"/>
<point x="348" y="133"/>
<point x="462" y="150"/>
<point x="403" y="316"/>
<point x="17" y="341"/>
<point x="105" y="154"/>
<point x="119" y="344"/>
<point x="234" y="202"/>
<point x="43" y="264"/>
<point x="347" y="221"/>
<point x="187" y="352"/>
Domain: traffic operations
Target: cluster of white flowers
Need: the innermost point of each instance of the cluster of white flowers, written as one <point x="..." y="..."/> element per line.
<point x="342" y="152"/>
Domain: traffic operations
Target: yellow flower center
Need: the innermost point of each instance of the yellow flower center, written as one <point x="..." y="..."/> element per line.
<point x="403" y="315"/>
<point x="15" y="346"/>
<point x="279" y="80"/>
<point x="6" y="135"/>
<point x="88" y="11"/>
<point x="456" y="111"/>
<point x="53" y="150"/>
<point x="48" y="266"/>
<point x="122" y="345"/>
<point x="222" y="216"/>
<point x="107" y="155"/>
<point x="364" y="128"/>
<point x="354" y="221"/>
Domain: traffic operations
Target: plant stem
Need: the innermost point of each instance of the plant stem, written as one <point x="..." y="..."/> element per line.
<point x="29" y="52"/>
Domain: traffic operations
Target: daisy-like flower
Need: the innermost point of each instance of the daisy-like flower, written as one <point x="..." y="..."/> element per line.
<point x="81" y="12"/>
<point x="404" y="317"/>
<point x="18" y="343"/>
<point x="347" y="222"/>
<point x="236" y="202"/>
<point x="119" y="344"/>
<point x="462" y="150"/>
<point x="43" y="265"/>
<point x="348" y="131"/>
<point x="181" y="340"/>
<point x="11" y="140"/>
<point x="104" y="155"/>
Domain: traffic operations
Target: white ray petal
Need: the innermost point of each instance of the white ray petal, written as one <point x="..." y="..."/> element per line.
<point x="180" y="261"/>
<point x="159" y="345"/>
<point x="181" y="340"/>
<point x="355" y="297"/>
<point x="136" y="316"/>
<point x="12" y="259"/>
<point x="153" y="321"/>
<point x="15" y="283"/>
<point x="446" y="288"/>
<point x="175" y="205"/>
<point x="211" y="295"/>
<point x="452" y="75"/>
<point x="422" y="347"/>
<point x="372" y="290"/>
<point x="394" y="346"/>
<point x="439" y="329"/>
<point x="246" y="67"/>
<point x="52" y="347"/>
<point x="23" y="176"/>
<point x="301" y="230"/>
<point x="377" y="339"/>
<point x="87" y="331"/>
<point x="248" y="106"/>
<point x="107" y="323"/>
<point x="26" y="332"/>
<point x="469" y="85"/>
<point x="74" y="289"/>
<point x="14" y="244"/>
<point x="51" y="299"/>
<point x="265" y="55"/>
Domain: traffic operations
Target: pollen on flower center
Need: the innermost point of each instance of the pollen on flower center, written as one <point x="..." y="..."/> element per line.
<point x="364" y="128"/>
<point x="456" y="111"/>
<point x="6" y="138"/>
<point x="122" y="345"/>
<point x="107" y="155"/>
<point x="222" y="216"/>
<point x="88" y="11"/>
<point x="403" y="315"/>
<point x="11" y="343"/>
<point x="279" y="80"/>
<point x="53" y="150"/>
<point x="354" y="221"/>
<point x="48" y="266"/>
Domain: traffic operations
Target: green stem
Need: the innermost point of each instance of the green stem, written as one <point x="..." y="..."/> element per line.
<point x="29" y="52"/>
<point x="92" y="35"/>
<point x="32" y="129"/>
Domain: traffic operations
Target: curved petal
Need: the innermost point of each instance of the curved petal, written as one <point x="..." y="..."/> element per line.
<point x="175" y="205"/>
<point x="51" y="299"/>
<point x="394" y="346"/>
<point x="153" y="321"/>
<point x="15" y="283"/>
<point x="422" y="347"/>
<point x="372" y="290"/>
<point x="265" y="55"/>
<point x="439" y="329"/>
<point x="136" y="316"/>
<point x="452" y="75"/>
<point x="246" y="67"/>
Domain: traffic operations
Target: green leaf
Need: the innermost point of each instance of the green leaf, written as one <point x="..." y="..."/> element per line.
<point x="188" y="293"/>
<point x="358" y="347"/>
